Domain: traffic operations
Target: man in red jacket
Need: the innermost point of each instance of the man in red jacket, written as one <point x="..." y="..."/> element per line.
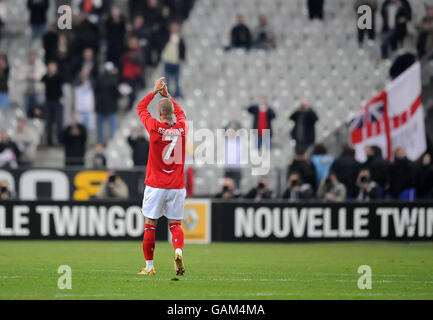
<point x="165" y="181"/>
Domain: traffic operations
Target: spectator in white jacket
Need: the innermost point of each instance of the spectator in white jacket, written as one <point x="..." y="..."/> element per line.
<point x="84" y="98"/>
<point x="34" y="70"/>
<point x="27" y="142"/>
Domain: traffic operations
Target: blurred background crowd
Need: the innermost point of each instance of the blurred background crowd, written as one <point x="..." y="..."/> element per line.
<point x="67" y="97"/>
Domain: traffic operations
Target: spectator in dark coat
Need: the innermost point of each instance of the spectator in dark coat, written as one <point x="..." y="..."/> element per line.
<point x="53" y="108"/>
<point x="401" y="173"/>
<point x="106" y="95"/>
<point x="378" y="166"/>
<point x="38" y="16"/>
<point x="4" y="87"/>
<point x="304" y="167"/>
<point x="241" y="35"/>
<point x="74" y="138"/>
<point x="260" y="192"/>
<point x="304" y="132"/>
<point x="142" y="32"/>
<point x="396" y="14"/>
<point x="315" y="9"/>
<point x="86" y="36"/>
<point x="156" y="19"/>
<point x="115" y="29"/>
<point x="64" y="59"/>
<point x="49" y="42"/>
<point x="424" y="177"/>
<point x="425" y="33"/>
<point x="140" y="148"/>
<point x="263" y="115"/>
<point x="132" y="68"/>
<point x="346" y="168"/>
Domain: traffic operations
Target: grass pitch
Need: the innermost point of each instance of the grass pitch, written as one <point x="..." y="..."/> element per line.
<point x="107" y="270"/>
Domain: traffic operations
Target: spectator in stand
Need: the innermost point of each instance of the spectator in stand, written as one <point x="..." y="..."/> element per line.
<point x="4" y="87"/>
<point x="425" y="33"/>
<point x="297" y="189"/>
<point x="5" y="192"/>
<point x="241" y="35"/>
<point x="66" y="69"/>
<point x="346" y="169"/>
<point x="396" y="14"/>
<point x="3" y="12"/>
<point x="84" y="98"/>
<point x="38" y="17"/>
<point x="378" y="167"/>
<point x="86" y="35"/>
<point x="113" y="188"/>
<point x="424" y="177"/>
<point x="87" y="63"/>
<point x="322" y="162"/>
<point x="115" y="29"/>
<point x="9" y="152"/>
<point x="367" y="189"/>
<point x="227" y="191"/>
<point x="94" y="9"/>
<point x="53" y="108"/>
<point x="27" y="142"/>
<point x="304" y="167"/>
<point x="172" y="56"/>
<point x="331" y="190"/>
<point x="263" y="115"/>
<point x="107" y="94"/>
<point x="140" y="147"/>
<point x="260" y="192"/>
<point x="74" y="138"/>
<point x="50" y="41"/>
<point x="264" y="37"/>
<point x="401" y="174"/>
<point x="99" y="161"/>
<point x="315" y="9"/>
<point x="233" y="149"/>
<point x="63" y="56"/>
<point x="304" y="132"/>
<point x="371" y="33"/>
<point x="156" y="19"/>
<point x="132" y="68"/>
<point x="33" y="74"/>
<point x="142" y="32"/>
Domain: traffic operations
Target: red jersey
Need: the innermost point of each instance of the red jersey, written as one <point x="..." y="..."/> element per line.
<point x="165" y="168"/>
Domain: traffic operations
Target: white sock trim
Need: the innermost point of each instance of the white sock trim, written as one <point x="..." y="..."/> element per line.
<point x="149" y="264"/>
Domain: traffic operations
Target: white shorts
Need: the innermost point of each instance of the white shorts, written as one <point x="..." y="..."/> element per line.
<point x="163" y="202"/>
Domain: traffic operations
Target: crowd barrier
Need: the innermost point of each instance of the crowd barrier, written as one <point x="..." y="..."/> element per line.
<point x="209" y="220"/>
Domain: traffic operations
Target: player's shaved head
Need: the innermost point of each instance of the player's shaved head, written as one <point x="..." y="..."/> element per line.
<point x="165" y="109"/>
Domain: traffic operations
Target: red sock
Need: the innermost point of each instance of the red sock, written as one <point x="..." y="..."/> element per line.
<point x="176" y="235"/>
<point x="149" y="241"/>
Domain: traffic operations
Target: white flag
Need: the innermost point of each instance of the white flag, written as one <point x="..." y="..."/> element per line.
<point x="392" y="119"/>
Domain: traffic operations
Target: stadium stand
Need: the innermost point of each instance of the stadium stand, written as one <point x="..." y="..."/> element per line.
<point x="320" y="61"/>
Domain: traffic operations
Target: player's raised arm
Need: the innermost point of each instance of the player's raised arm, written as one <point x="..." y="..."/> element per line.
<point x="143" y="113"/>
